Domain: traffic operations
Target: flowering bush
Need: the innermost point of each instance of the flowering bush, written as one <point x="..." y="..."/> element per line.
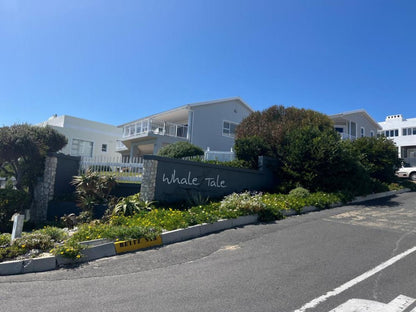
<point x="245" y="203"/>
<point x="71" y="249"/>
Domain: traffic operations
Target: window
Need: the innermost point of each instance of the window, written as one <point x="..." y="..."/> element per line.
<point x="371" y="133"/>
<point x="228" y="128"/>
<point x="81" y="148"/>
<point x="392" y="133"/>
<point x="104" y="148"/>
<point x="362" y="132"/>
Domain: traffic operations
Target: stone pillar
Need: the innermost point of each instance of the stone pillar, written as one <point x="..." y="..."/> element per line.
<point x="148" y="187"/>
<point x="44" y="191"/>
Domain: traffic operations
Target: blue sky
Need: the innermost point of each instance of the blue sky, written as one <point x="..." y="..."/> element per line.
<point x="116" y="61"/>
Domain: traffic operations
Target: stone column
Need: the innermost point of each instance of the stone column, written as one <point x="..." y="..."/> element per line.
<point x="44" y="191"/>
<point x="148" y="187"/>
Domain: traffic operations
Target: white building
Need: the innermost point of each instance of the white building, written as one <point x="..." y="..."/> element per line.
<point x="85" y="137"/>
<point x="403" y="132"/>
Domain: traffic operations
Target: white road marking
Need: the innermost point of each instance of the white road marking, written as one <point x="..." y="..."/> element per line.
<point x="399" y="304"/>
<point x="355" y="281"/>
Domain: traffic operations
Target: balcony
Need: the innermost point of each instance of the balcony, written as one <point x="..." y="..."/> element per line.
<point x="145" y="127"/>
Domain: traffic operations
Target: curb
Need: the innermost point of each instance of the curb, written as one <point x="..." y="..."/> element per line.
<point x="101" y="248"/>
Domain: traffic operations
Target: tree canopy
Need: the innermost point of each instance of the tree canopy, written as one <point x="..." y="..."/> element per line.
<point x="23" y="149"/>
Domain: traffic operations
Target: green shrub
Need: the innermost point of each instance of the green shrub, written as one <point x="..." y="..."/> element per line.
<point x="11" y="201"/>
<point x="35" y="240"/>
<point x="180" y="149"/>
<point x="128" y="206"/>
<point x="55" y="233"/>
<point x="5" y="239"/>
<point x="71" y="249"/>
<point x="248" y="149"/>
<point x="299" y="192"/>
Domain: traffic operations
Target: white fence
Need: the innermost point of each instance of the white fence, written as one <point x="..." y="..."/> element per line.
<point x="129" y="170"/>
<point x="220" y="156"/>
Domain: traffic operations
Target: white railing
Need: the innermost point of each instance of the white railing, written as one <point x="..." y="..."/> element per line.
<point x="346" y="136"/>
<point x="219" y="155"/>
<point x="123" y="168"/>
<point x="146" y="126"/>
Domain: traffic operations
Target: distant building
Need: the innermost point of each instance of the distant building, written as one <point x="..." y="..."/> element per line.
<point x="403" y="132"/>
<point x="355" y="124"/>
<point x="85" y="137"/>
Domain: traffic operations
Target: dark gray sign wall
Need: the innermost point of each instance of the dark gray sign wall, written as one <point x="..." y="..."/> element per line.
<point x="181" y="180"/>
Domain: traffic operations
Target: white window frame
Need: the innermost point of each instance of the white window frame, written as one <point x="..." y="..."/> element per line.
<point x="79" y="151"/>
<point x="227" y="131"/>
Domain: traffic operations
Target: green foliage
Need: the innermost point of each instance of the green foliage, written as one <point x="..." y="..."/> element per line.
<point x="378" y="156"/>
<point x="71" y="249"/>
<point x="23" y="149"/>
<point x="5" y="239"/>
<point x="55" y="233"/>
<point x="299" y="192"/>
<point x="92" y="189"/>
<point x="122" y="231"/>
<point x="273" y="124"/>
<point x="180" y="149"/>
<point x="11" y="201"/>
<point x="320" y="161"/>
<point x="250" y="148"/>
<point x="236" y="163"/>
<point x="130" y="205"/>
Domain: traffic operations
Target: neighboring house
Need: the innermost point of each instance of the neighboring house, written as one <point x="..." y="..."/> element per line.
<point x="355" y="124"/>
<point x="85" y="137"/>
<point x="206" y="124"/>
<point x="403" y="132"/>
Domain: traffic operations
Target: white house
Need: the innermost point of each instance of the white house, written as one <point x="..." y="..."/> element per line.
<point x="85" y="137"/>
<point x="355" y="124"/>
<point x="403" y="132"/>
<point x="208" y="124"/>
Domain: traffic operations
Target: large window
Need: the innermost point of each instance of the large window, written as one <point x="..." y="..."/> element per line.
<point x="228" y="128"/>
<point x="81" y="148"/>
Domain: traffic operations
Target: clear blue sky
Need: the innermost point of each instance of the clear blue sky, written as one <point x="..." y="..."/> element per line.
<point x="116" y="61"/>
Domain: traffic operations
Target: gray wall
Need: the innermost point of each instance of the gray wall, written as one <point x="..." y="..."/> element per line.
<point x="208" y="124"/>
<point x="170" y="180"/>
<point x="361" y="121"/>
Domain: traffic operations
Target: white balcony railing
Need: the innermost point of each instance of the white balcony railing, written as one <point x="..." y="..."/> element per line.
<point x="346" y="136"/>
<point x="147" y="126"/>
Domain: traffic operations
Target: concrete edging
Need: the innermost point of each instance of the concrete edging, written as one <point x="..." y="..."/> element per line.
<point x="101" y="248"/>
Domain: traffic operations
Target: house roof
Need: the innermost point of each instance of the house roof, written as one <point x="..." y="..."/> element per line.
<point x="345" y="115"/>
<point x="184" y="108"/>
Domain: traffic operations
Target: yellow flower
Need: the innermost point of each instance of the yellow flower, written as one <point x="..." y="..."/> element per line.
<point x="78" y="256"/>
<point x="23" y="246"/>
<point x="62" y="252"/>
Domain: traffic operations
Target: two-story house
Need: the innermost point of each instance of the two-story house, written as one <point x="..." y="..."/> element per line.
<point x="403" y="132"/>
<point x="209" y="125"/>
<point x="355" y="124"/>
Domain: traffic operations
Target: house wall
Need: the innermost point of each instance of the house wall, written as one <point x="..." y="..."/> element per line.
<point x="86" y="130"/>
<point x="208" y="124"/>
<point x="363" y="122"/>
<point x="406" y="144"/>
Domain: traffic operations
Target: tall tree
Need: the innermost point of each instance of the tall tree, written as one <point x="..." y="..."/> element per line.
<point x="23" y="149"/>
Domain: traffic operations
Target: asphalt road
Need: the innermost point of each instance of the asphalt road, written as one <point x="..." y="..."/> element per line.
<point x="344" y="260"/>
